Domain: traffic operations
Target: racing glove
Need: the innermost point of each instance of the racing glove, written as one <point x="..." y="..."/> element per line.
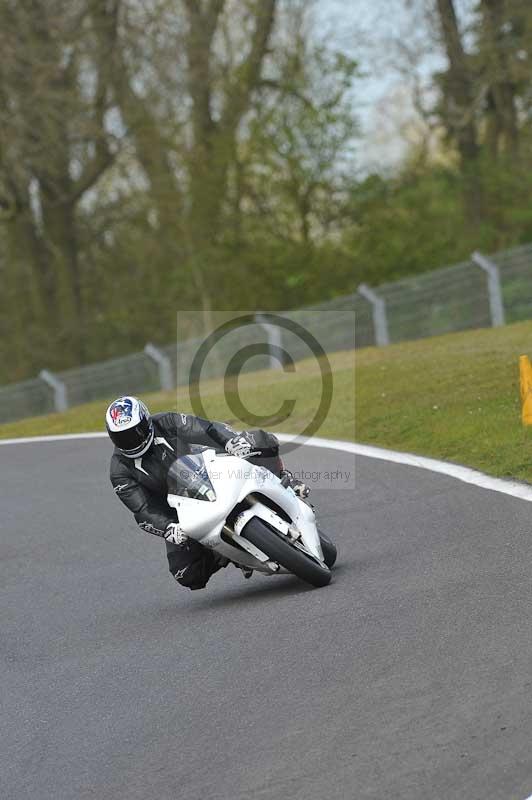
<point x="174" y="534"/>
<point x="240" y="445"/>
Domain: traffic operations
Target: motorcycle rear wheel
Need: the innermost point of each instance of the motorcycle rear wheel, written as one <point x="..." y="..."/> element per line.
<point x="278" y="548"/>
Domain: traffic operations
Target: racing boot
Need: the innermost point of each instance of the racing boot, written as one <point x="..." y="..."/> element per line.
<point x="247" y="572"/>
<point x="299" y="488"/>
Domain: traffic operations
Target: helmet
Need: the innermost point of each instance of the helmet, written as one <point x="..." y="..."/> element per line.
<point x="130" y="426"/>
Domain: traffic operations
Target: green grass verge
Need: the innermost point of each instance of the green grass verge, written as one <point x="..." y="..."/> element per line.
<point x="454" y="397"/>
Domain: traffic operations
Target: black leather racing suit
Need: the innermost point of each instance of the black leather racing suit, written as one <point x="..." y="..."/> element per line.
<point x="141" y="484"/>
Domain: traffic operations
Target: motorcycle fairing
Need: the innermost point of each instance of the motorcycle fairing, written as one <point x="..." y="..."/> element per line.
<point x="233" y="480"/>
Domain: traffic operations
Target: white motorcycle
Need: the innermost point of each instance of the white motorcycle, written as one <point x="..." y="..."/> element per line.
<point x="248" y="515"/>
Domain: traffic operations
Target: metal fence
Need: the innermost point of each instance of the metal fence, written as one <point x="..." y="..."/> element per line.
<point x="481" y="292"/>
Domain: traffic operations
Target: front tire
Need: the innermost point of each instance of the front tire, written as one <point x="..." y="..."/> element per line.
<point x="330" y="552"/>
<point x="278" y="548"/>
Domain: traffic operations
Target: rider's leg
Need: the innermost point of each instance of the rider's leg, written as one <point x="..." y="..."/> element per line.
<point x="191" y="564"/>
<point x="274" y="464"/>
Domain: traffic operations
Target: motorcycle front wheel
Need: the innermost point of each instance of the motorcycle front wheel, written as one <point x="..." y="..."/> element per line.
<point x="330" y="552"/>
<point x="278" y="548"/>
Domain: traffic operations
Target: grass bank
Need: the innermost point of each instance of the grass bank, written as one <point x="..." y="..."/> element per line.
<point x="454" y="397"/>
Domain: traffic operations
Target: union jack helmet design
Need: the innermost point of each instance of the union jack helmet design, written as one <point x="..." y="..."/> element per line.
<point x="129" y="426"/>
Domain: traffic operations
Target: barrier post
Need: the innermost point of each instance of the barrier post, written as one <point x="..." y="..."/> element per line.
<point x="380" y="321"/>
<point x="273" y="335"/>
<point x="58" y="387"/>
<point x="494" y="288"/>
<point x="164" y="365"/>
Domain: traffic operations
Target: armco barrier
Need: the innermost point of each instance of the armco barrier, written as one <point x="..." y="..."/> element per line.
<point x="481" y="292"/>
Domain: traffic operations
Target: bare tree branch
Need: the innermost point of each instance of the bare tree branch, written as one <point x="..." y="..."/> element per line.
<point x="248" y="74"/>
<point x="285" y="89"/>
<point x="106" y="24"/>
<point x="202" y="27"/>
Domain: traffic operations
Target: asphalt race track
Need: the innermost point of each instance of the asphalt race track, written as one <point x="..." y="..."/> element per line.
<point x="410" y="676"/>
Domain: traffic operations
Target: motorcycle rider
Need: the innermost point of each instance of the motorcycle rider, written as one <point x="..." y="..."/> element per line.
<point x="145" y="448"/>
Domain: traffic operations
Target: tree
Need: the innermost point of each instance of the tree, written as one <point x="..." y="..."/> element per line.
<point x="300" y="143"/>
<point x="55" y="80"/>
<point x="288" y="181"/>
<point x="460" y="106"/>
<point x="188" y="173"/>
<point x="502" y="28"/>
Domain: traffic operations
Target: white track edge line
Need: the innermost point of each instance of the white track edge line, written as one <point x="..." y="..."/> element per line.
<point x="512" y="488"/>
<point x="58" y="437"/>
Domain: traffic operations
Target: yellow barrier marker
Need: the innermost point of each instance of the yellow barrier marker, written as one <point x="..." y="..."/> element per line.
<point x="525" y="380"/>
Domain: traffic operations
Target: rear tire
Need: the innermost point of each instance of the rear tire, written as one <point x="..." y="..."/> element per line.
<point x="278" y="548"/>
<point x="330" y="552"/>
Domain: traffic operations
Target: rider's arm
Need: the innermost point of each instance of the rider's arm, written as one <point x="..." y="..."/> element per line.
<point x="152" y="514"/>
<point x="196" y="430"/>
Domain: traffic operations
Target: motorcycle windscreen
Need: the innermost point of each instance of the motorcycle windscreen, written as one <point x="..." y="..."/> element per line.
<point x="188" y="477"/>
